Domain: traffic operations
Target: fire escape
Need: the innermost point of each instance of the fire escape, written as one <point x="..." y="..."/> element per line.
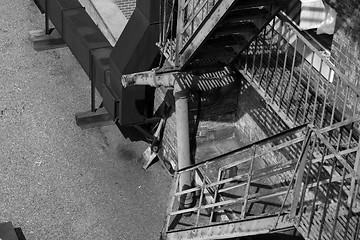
<point x="304" y="179"/>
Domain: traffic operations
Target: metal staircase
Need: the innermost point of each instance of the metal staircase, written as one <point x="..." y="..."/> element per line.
<point x="296" y="78"/>
<point x="300" y="179"/>
<point x="211" y="33"/>
<point x="305" y="179"/>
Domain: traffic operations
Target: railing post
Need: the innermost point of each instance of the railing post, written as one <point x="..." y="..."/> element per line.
<point x="300" y="174"/>
<point x="179" y="27"/>
<point x="248" y="185"/>
<point x="357" y="171"/>
<point x="183" y="142"/>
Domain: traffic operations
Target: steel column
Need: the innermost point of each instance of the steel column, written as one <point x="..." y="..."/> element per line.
<point x="183" y="142"/>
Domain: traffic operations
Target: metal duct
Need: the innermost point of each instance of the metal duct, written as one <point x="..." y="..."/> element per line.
<point x="135" y="51"/>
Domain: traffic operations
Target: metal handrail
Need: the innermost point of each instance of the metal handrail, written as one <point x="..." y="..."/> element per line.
<point x="296" y="29"/>
<point x="296" y="78"/>
<point x="186" y="14"/>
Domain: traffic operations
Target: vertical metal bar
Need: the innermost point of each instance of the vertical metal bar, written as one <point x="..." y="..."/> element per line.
<point x="357" y="230"/>
<point x="288" y="85"/>
<point x="283" y="69"/>
<point x="317" y="93"/>
<point x="304" y="146"/>
<point x="349" y="215"/>
<point x="278" y="45"/>
<point x="47" y="29"/>
<point x="172" y="198"/>
<point x="327" y="196"/>
<point x="247" y="190"/>
<point x="356" y="105"/>
<point x="335" y="100"/>
<point x="262" y="56"/>
<point x="254" y="57"/>
<point x="179" y="29"/>
<point x="220" y="175"/>
<point x="201" y="194"/>
<point x="162" y="22"/>
<point x="192" y="21"/>
<point x="303" y="193"/>
<point x="92" y="80"/>
<point x="269" y="60"/>
<point x="246" y="60"/>
<point x="299" y="82"/>
<point x="345" y="100"/>
<point x="357" y="170"/>
<point x="306" y="105"/>
<point x="315" y="195"/>
<point x="338" y="204"/>
<point x="299" y="172"/>
<point x="325" y="100"/>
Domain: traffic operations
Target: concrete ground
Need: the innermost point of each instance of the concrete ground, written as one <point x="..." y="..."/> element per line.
<point x="56" y="180"/>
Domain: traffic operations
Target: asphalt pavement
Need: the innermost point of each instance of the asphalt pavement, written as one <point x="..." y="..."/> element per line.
<point x="56" y="180"/>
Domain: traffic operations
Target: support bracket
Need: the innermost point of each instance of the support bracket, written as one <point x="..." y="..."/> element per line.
<point x="93" y="119"/>
<point x="42" y="41"/>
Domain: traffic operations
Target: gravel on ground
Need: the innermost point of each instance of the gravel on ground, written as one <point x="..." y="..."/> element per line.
<point x="56" y="180"/>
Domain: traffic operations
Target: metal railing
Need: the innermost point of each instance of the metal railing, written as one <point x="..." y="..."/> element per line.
<point x="326" y="191"/>
<point x="240" y="185"/>
<point x="181" y="19"/>
<point x="298" y="80"/>
<point x="308" y="181"/>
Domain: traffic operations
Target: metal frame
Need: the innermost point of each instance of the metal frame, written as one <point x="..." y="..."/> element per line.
<point x="320" y="166"/>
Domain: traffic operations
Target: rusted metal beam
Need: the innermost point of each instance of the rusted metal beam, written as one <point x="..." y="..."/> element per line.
<point x="229" y="230"/>
<point x="149" y="78"/>
<point x="184" y="79"/>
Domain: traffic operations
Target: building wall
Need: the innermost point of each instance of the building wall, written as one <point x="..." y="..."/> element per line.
<point x="126" y="6"/>
<point x="345" y="51"/>
<point x="230" y="117"/>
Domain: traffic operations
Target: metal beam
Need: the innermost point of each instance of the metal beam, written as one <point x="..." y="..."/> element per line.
<point x="230" y="230"/>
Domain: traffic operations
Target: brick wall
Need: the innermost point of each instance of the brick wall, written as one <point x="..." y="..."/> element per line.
<point x="228" y="121"/>
<point x="345" y="50"/>
<point x="126" y="6"/>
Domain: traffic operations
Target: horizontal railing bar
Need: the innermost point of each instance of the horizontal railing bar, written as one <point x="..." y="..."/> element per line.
<point x="340" y="124"/>
<point x="329" y="156"/>
<point x="262" y="216"/>
<point x="274" y="193"/>
<point x="236" y="178"/>
<point x="258" y="143"/>
<point x="194" y="189"/>
<point x="232" y="187"/>
<point x="273" y="149"/>
<point x="332" y="149"/>
<point x="334" y="179"/>
<point x="252" y="198"/>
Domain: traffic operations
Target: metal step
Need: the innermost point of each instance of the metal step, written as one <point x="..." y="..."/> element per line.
<point x="240" y="25"/>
